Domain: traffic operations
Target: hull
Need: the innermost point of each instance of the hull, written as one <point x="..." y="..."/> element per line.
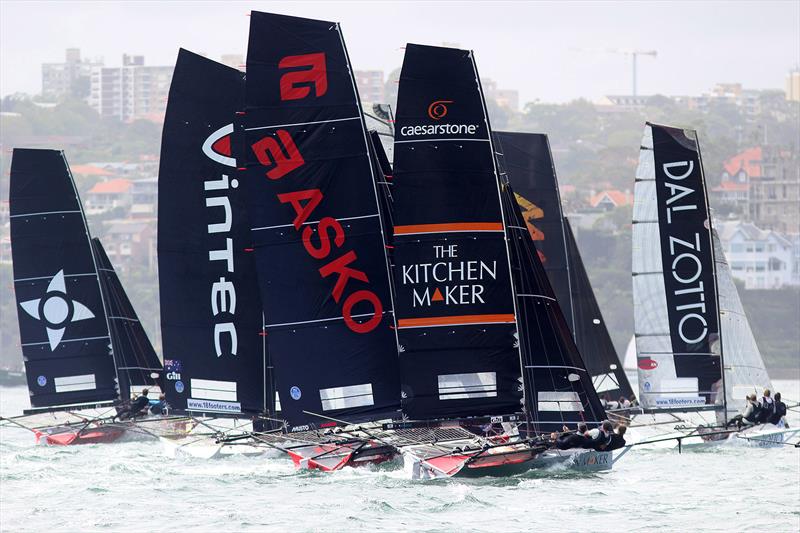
<point x="209" y="448"/>
<point x="429" y="461"/>
<point x="329" y="457"/>
<point x="66" y="436"/>
<point x="580" y="460"/>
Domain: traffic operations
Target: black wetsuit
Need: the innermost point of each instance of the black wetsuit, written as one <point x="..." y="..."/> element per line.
<point x="600" y="442"/>
<point x="778" y="413"/>
<point x="133" y="408"/>
<point x="571" y="440"/>
<point x="766" y="412"/>
<point x="617" y="442"/>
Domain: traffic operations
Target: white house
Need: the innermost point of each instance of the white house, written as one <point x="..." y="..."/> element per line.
<point x="762" y="259"/>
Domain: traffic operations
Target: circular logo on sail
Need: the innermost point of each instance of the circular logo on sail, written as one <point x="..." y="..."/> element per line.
<point x="179" y="387"/>
<point x="295" y="393"/>
<point x="42" y="381"/>
<point x="438" y="109"/>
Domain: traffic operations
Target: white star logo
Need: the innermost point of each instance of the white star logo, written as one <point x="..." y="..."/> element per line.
<point x="56" y="309"/>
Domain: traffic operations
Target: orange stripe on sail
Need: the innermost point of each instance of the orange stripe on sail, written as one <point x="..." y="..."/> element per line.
<point x="454" y="320"/>
<point x="444" y="228"/>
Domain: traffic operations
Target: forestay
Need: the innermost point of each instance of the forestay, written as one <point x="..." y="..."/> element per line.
<point x="63" y="328"/>
<point x="679" y="353"/>
<point x="316" y="225"/>
<point x="214" y="350"/>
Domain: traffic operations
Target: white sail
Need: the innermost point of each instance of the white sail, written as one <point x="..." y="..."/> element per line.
<point x="662" y="385"/>
<point x="744" y="367"/>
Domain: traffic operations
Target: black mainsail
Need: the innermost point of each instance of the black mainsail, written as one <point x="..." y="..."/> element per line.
<point x="137" y="362"/>
<point x="590" y="330"/>
<point x="316" y="225"/>
<point x="528" y="162"/>
<point x="211" y="315"/>
<point x="456" y="313"/>
<point x="62" y="319"/>
<point x="677" y="324"/>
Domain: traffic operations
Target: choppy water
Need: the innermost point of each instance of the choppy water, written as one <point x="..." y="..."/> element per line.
<point x="133" y="486"/>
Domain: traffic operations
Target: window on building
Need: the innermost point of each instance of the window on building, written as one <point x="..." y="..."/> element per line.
<point x="737" y="247"/>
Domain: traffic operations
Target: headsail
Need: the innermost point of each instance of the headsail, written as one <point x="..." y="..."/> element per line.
<point x="316" y="225"/>
<point x="744" y="368"/>
<point x="558" y="386"/>
<point x="590" y="331"/>
<point x="136" y="359"/>
<point x="62" y="320"/>
<point x="214" y="353"/>
<point x="674" y="288"/>
<point x="455" y="302"/>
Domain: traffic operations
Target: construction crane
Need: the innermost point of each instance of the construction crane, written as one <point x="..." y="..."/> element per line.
<point x="630" y="52"/>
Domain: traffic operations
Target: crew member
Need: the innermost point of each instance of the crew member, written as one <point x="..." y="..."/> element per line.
<point x="136" y="406"/>
<point x="748" y="414"/>
<point x="158" y="407"/>
<point x="779" y="411"/>
<point x="603" y="438"/>
<point x="568" y="440"/>
<point x="767" y="408"/>
<point x="617" y="438"/>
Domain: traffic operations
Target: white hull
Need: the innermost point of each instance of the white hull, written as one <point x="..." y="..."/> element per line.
<point x="208" y="448"/>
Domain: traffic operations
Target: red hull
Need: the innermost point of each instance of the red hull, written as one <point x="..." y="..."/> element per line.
<point x="93" y="435"/>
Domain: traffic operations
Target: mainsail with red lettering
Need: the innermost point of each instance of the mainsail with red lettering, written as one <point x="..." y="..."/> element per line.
<point x="316" y="225"/>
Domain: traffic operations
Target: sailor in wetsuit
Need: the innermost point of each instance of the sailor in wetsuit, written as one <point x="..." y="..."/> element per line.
<point x="600" y="440"/>
<point x="748" y="414"/>
<point x="135" y="407"/>
<point x="568" y="440"/>
<point x="617" y="438"/>
<point x="160" y="406"/>
<point x="779" y="412"/>
<point x="767" y="408"/>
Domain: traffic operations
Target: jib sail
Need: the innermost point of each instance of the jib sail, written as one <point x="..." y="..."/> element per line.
<point x="679" y="353"/>
<point x="210" y="307"/>
<point x="316" y="225"/>
<point x="456" y="320"/>
<point x="590" y="331"/>
<point x="62" y="321"/>
<point x="136" y="359"/>
<point x="528" y="162"/>
<point x="558" y="386"/>
<point x="744" y="368"/>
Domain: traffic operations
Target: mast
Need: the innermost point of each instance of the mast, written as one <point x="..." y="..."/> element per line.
<point x="214" y="355"/>
<point x="316" y="226"/>
<point x="675" y="297"/>
<point x="63" y="328"/>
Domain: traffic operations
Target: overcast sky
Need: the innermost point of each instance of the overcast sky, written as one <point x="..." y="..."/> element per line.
<point x="551" y="51"/>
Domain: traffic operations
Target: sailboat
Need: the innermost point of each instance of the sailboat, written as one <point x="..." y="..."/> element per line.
<point x="216" y="360"/>
<point x="318" y="241"/>
<point x="529" y="167"/>
<point x="487" y="361"/>
<point x="696" y="354"/>
<point x="82" y="344"/>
